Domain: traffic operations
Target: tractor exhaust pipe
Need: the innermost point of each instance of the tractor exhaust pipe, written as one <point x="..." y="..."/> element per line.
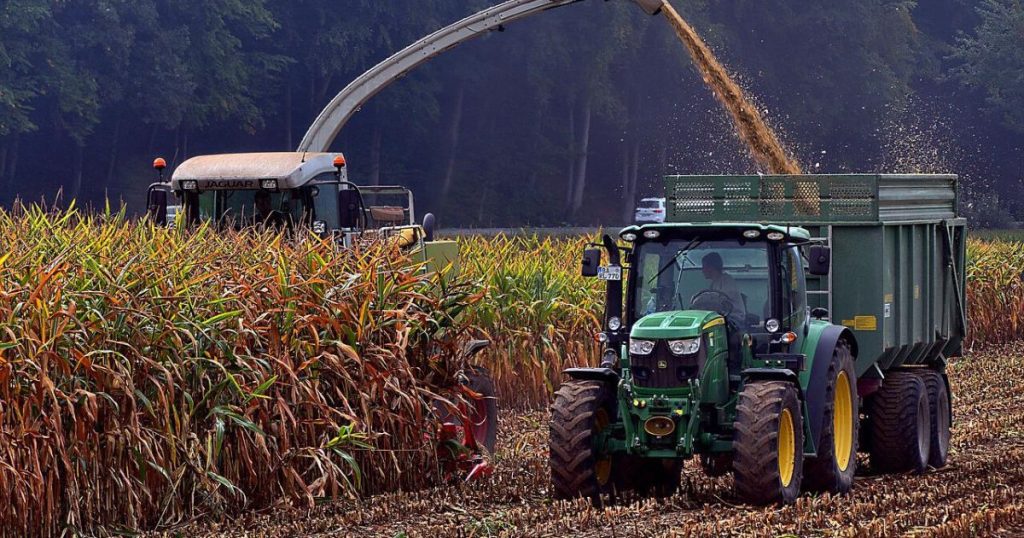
<point x="652" y="7"/>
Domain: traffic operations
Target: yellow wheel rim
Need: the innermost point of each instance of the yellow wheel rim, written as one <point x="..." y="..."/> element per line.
<point x="842" y="422"/>
<point x="787" y="448"/>
<point x="603" y="466"/>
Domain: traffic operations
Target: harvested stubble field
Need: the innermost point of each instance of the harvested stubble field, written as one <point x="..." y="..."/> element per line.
<point x="981" y="492"/>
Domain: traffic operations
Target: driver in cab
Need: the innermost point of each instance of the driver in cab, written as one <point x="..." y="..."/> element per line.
<point x="720" y="281"/>
<point x="266" y="215"/>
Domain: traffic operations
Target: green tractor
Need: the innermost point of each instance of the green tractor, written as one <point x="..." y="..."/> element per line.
<point x="719" y="341"/>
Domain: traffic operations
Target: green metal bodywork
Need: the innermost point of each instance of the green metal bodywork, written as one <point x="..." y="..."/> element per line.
<point x="896" y="282"/>
<point x="438" y="256"/>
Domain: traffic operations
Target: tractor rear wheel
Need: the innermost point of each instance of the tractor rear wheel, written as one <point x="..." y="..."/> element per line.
<point x="900" y="424"/>
<point x="769" y="444"/>
<point x="941" y="416"/>
<point x="581" y="412"/>
<point x="833" y="468"/>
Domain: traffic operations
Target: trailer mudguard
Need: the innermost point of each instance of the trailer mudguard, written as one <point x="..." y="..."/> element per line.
<point x="814" y="392"/>
<point x="606" y="375"/>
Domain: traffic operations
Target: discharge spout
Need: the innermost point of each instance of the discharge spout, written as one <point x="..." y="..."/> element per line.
<point x="652" y="7"/>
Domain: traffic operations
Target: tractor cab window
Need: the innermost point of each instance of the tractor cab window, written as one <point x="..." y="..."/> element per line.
<point x="325" y="204"/>
<point x="728" y="276"/>
<point x="245" y="208"/>
<point x="794" y="288"/>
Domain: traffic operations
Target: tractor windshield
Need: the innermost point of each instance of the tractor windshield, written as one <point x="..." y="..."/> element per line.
<point x="283" y="209"/>
<point x="728" y="276"/>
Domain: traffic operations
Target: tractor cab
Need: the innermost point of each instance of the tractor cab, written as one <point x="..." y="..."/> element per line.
<point x="686" y="278"/>
<point x="295" y="193"/>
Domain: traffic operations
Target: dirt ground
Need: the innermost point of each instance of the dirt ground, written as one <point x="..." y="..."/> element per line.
<point x="981" y="492"/>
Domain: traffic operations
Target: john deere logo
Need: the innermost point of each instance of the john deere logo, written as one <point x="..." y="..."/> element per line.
<point x="662" y="365"/>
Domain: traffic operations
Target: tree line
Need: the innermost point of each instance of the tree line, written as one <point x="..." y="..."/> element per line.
<point x="568" y="118"/>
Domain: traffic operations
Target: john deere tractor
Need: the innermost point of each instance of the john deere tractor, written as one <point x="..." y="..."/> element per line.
<point x="731" y="336"/>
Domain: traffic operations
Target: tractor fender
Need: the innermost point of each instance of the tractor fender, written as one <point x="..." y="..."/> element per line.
<point x="773" y="374"/>
<point x="817" y="382"/>
<point x="606" y="375"/>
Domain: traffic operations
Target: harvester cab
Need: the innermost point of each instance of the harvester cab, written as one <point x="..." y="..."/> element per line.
<point x="719" y="341"/>
<point x="297" y="192"/>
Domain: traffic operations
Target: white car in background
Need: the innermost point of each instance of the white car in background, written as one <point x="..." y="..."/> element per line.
<point x="650" y="210"/>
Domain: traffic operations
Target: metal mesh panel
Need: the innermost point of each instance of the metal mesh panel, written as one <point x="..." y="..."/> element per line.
<point x="778" y="199"/>
<point x="692" y="199"/>
<point x="853" y="197"/>
<point x="773" y="198"/>
<point x="738" y="201"/>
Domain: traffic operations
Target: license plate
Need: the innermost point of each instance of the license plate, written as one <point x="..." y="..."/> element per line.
<point x="609" y="273"/>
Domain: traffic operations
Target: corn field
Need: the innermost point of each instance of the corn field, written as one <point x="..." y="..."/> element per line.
<point x="150" y="376"/>
<point x="537" y="310"/>
<point x="995" y="292"/>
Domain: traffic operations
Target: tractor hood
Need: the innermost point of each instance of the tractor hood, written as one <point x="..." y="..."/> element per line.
<point x="672" y="324"/>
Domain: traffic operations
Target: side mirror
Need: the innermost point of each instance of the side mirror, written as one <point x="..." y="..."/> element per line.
<point x="819" y="260"/>
<point x="429" y="224"/>
<point x="156" y="204"/>
<point x="591" y="262"/>
<point x="348" y="209"/>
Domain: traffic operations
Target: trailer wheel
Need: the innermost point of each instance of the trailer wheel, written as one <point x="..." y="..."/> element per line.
<point x="941" y="416"/>
<point x="833" y="468"/>
<point x="769" y="443"/>
<point x="582" y="410"/>
<point x="900" y="424"/>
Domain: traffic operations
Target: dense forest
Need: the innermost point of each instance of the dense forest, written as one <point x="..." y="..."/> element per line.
<point x="566" y="118"/>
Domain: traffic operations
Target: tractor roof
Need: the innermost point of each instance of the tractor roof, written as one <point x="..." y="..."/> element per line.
<point x="794" y="232"/>
<point x="246" y="170"/>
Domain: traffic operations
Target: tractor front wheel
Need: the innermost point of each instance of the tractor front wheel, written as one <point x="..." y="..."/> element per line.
<point x="581" y="413"/>
<point x="769" y="444"/>
<point x="833" y="468"/>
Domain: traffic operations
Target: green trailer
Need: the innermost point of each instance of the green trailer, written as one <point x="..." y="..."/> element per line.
<point x="759" y="325"/>
<point x="898" y="252"/>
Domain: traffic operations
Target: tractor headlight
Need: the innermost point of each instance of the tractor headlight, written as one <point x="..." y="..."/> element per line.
<point x="684" y="347"/>
<point x="268" y="184"/>
<point x="614" y="323"/>
<point x="190" y="185"/>
<point x="640" y="347"/>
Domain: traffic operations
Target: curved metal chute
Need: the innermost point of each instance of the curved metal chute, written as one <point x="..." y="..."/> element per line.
<point x="341" y="109"/>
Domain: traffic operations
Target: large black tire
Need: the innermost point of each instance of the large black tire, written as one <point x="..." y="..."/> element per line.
<point x="833" y="468"/>
<point x="483" y="413"/>
<point x="582" y="409"/>
<point x="768" y="448"/>
<point x="941" y="416"/>
<point x="900" y="424"/>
